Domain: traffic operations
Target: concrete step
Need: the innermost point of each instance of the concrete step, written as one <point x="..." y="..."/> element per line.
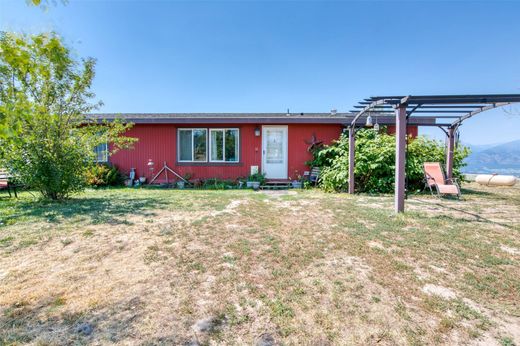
<point x="277" y="182"/>
<point x="275" y="187"/>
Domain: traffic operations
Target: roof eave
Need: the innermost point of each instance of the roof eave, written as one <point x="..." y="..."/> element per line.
<point x="383" y="120"/>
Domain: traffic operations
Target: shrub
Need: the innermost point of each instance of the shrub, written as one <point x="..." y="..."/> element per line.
<point x="103" y="174"/>
<point x="375" y="162"/>
<point x="46" y="140"/>
<point x="218" y="184"/>
<point x="259" y="177"/>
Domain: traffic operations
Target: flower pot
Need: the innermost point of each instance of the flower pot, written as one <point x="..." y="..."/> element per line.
<point x="255" y="185"/>
<point x="180" y="184"/>
<point x="296" y="184"/>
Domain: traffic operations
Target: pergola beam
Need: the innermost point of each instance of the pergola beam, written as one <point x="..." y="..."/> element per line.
<point x="389" y="111"/>
<point x="365" y="110"/>
<point x="477" y="111"/>
<point x="463" y="106"/>
<point x="481" y="98"/>
<point x="425" y="106"/>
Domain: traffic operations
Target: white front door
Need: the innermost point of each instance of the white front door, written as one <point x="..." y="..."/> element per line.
<point x="274" y="151"/>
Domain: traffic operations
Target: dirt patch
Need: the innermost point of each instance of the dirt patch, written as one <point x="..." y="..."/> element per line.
<point x="376" y="245"/>
<point x="440" y="291"/>
<point x="510" y="250"/>
<point x="230" y="208"/>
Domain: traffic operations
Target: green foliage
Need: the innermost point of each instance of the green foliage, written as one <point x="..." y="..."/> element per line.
<point x="259" y="177"/>
<point x="375" y="162"/>
<point x="103" y="174"/>
<point x="507" y="341"/>
<point x="46" y="140"/>
<point x="218" y="184"/>
<point x="45" y="4"/>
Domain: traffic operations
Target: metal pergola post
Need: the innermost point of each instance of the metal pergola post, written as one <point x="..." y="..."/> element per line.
<point x="450" y="151"/>
<point x="400" y="157"/>
<point x="351" y="156"/>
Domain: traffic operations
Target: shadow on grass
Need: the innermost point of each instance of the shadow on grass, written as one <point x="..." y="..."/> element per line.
<point x="474" y="215"/>
<point x="95" y="210"/>
<point x="22" y="323"/>
<point x="495" y="195"/>
<point x="467" y="192"/>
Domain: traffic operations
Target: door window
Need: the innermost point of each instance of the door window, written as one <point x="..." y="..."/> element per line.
<point x="274" y="146"/>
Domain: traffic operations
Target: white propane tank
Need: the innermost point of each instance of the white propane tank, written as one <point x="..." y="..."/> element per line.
<point x="495" y="180"/>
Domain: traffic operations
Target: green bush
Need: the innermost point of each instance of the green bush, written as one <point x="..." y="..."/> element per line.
<point x="375" y="162"/>
<point x="259" y="177"/>
<point x="103" y="174"/>
<point x="218" y="184"/>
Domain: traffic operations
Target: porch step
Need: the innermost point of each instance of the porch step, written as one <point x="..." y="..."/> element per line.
<point x="276" y="185"/>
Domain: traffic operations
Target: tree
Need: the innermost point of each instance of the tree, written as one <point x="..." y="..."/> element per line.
<point x="46" y="139"/>
<point x="44" y="4"/>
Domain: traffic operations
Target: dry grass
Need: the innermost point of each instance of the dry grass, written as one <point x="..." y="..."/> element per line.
<point x="237" y="267"/>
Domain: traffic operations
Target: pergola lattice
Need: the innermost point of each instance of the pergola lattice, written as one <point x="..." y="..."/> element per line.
<point x="452" y="109"/>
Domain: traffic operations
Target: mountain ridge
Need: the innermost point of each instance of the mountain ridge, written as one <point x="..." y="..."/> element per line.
<point x="502" y="158"/>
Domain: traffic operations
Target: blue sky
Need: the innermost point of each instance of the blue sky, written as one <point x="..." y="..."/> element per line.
<point x="309" y="56"/>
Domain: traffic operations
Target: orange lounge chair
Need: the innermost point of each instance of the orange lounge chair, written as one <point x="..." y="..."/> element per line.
<point x="434" y="176"/>
<point x="5" y="184"/>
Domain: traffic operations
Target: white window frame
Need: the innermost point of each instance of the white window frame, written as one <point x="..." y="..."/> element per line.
<point x="105" y="154"/>
<point x="192" y="129"/>
<point x="223" y="129"/>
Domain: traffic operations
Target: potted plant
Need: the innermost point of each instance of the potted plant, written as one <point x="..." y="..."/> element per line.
<point x="297" y="184"/>
<point x="181" y="184"/>
<point x="255" y="180"/>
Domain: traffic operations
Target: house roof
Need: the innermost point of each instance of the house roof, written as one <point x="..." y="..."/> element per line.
<point x="243" y="118"/>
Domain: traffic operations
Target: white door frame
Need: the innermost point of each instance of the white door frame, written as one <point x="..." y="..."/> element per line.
<point x="286" y="153"/>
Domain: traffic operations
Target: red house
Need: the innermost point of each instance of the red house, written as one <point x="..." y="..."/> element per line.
<point x="228" y="145"/>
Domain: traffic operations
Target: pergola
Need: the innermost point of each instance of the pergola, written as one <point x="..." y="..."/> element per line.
<point x="448" y="112"/>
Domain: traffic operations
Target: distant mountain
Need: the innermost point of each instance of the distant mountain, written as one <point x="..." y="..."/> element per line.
<point x="476" y="148"/>
<point x="503" y="159"/>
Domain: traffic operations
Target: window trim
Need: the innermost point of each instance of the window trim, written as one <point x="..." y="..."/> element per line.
<point x="192" y="129"/>
<point x="224" y="129"/>
<point x="207" y="162"/>
<point x="105" y="153"/>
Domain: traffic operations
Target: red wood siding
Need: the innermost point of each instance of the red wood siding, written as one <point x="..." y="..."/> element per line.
<point x="159" y="143"/>
<point x="156" y="142"/>
<point x="298" y="153"/>
<point x="412" y="131"/>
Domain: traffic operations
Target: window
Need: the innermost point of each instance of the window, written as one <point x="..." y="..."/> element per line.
<point x="195" y="146"/>
<point x="101" y="152"/>
<point x="192" y="145"/>
<point x="224" y="145"/>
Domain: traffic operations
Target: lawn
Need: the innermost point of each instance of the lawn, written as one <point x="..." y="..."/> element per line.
<point x="155" y="266"/>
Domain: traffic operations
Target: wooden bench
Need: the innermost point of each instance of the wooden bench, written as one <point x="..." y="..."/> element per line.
<point x="6" y="184"/>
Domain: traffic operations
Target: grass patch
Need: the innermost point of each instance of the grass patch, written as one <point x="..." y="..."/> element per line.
<point x="302" y="267"/>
